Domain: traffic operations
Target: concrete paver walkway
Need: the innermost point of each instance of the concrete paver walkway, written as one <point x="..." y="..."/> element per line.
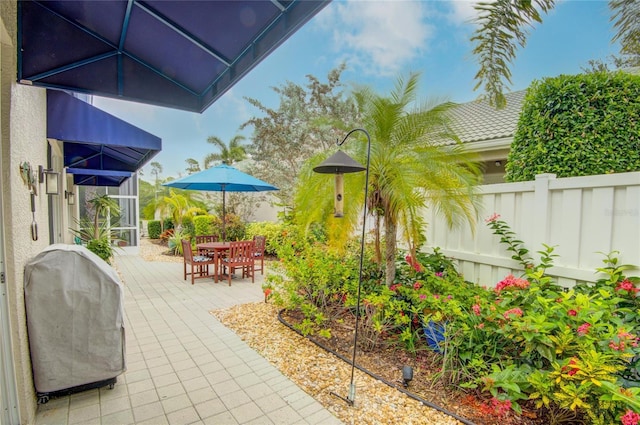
<point x="183" y="365"/>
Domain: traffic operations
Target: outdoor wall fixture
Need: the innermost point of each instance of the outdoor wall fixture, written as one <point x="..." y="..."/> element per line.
<point x="50" y="179"/>
<point x="407" y="375"/>
<point x="338" y="164"/>
<point x="70" y="197"/>
<point x="28" y="177"/>
<point x="498" y="163"/>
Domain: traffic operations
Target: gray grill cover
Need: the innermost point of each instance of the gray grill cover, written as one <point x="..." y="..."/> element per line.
<point x="75" y="318"/>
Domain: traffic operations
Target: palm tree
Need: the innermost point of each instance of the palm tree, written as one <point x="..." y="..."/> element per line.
<point x="501" y="26"/>
<point x="156" y="168"/>
<point x="103" y="206"/>
<point x="409" y="170"/>
<point x="230" y="154"/>
<point x="180" y="205"/>
<point x="192" y="166"/>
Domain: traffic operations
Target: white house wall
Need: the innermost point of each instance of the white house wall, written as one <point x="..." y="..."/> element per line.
<point x="23" y="126"/>
<point x="264" y="210"/>
<point x="582" y="217"/>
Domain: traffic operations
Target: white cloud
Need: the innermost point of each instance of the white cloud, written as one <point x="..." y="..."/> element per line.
<point x="229" y="105"/>
<point x="462" y="11"/>
<point x="384" y="35"/>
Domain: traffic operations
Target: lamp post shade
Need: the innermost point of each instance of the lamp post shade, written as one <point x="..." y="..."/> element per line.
<point x="339" y="163"/>
<point x="221" y="178"/>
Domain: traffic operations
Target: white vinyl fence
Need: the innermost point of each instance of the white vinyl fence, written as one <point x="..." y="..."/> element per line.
<point x="581" y="217"/>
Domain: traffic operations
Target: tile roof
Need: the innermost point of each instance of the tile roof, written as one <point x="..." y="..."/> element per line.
<point x="635" y="70"/>
<point x="477" y="121"/>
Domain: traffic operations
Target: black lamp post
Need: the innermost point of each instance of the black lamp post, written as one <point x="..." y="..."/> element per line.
<point x="339" y="164"/>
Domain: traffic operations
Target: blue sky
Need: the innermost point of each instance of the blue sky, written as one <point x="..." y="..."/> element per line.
<point x="379" y="41"/>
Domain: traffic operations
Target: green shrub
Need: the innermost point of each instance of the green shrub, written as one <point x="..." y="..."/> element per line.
<point x="528" y="339"/>
<point x="566" y="344"/>
<point x="234" y="227"/>
<point x="188" y="228"/>
<point x="168" y="223"/>
<point x="313" y="279"/>
<point x="577" y="126"/>
<point x="174" y="241"/>
<point x="154" y="229"/>
<point x="148" y="211"/>
<point x="575" y="352"/>
<point x="102" y="248"/>
<point x="270" y="230"/>
<point x="212" y="225"/>
<point x="204" y="224"/>
<point x="97" y="240"/>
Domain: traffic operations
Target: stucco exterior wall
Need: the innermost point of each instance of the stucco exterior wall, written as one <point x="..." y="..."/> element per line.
<point x="23" y="126"/>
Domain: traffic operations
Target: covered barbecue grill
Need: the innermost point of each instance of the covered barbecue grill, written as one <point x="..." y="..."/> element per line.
<point x="75" y="321"/>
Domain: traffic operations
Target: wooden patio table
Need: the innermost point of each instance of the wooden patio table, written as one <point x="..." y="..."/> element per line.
<point x="219" y="249"/>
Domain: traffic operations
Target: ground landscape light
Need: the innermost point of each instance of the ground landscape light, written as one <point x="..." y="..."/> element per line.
<point x="339" y="164"/>
<point x="407" y="375"/>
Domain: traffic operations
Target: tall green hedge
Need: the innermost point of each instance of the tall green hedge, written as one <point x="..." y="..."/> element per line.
<point x="578" y="125"/>
<point x="154" y="228"/>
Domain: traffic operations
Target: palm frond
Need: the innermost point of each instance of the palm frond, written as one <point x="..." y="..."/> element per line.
<point x="501" y="26"/>
<point x="626" y="18"/>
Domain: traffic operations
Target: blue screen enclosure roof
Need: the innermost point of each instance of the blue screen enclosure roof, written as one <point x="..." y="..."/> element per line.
<point x="177" y="54"/>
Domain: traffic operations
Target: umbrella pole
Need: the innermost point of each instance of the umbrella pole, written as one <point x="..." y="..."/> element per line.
<point x="224" y="216"/>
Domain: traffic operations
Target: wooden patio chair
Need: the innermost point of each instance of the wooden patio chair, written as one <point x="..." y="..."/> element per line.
<point x="240" y="256"/>
<point x="199" y="263"/>
<point x="205" y="239"/>
<point x="258" y="251"/>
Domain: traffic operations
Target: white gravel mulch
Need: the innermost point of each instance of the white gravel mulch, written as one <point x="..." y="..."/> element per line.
<point x="152" y="251"/>
<point x="319" y="372"/>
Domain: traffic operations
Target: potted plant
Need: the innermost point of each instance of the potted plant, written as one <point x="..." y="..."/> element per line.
<point x="95" y="234"/>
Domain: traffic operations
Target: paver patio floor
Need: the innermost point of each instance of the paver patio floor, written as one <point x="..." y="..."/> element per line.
<point x="183" y="365"/>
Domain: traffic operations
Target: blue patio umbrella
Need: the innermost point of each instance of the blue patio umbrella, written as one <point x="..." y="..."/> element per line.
<point x="221" y="178"/>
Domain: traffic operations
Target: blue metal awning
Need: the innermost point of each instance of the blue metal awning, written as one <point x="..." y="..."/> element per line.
<point x="173" y="53"/>
<point x="82" y="177"/>
<point x="95" y="141"/>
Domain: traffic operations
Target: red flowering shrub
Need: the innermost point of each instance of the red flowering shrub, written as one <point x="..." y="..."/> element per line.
<point x="495" y="407"/>
<point x="627" y="285"/>
<point x="517" y="312"/>
<point x="413" y="262"/>
<point x="512" y="282"/>
<point x="630" y="418"/>
<point x="528" y="338"/>
<point x="583" y="329"/>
